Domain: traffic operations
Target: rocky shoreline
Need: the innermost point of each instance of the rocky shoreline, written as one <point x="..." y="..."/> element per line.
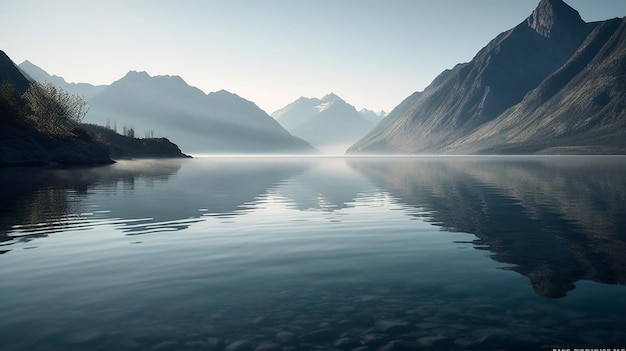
<point x="22" y="147"/>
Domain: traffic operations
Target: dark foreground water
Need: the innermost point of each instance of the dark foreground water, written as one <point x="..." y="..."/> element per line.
<point x="315" y="254"/>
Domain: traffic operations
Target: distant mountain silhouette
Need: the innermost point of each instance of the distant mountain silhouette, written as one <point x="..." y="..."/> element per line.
<point x="220" y="122"/>
<point x="551" y="84"/>
<point x="325" y="122"/>
<point x="39" y="75"/>
<point x="373" y="116"/>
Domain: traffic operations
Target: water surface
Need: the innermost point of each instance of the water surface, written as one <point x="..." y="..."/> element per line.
<point x="315" y="253"/>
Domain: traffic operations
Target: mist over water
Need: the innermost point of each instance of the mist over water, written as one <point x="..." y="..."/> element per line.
<point x="286" y="253"/>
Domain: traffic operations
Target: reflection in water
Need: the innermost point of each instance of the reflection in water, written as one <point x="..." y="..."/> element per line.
<point x="327" y="185"/>
<point x="314" y="254"/>
<point x="38" y="201"/>
<point x="43" y="201"/>
<point x="556" y="220"/>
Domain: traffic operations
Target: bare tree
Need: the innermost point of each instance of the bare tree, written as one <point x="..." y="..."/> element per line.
<point x="54" y="110"/>
<point x="128" y="131"/>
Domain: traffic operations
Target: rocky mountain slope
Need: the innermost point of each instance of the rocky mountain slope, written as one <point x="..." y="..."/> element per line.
<point x="551" y="83"/>
<point x="581" y="106"/>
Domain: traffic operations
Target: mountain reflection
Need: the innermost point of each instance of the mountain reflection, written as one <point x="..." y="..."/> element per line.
<point x="39" y="201"/>
<point x="555" y="220"/>
<point x="218" y="187"/>
<point x="327" y="185"/>
<point x="137" y="197"/>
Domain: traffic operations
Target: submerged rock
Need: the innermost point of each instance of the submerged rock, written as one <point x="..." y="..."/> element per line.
<point x="285" y="337"/>
<point x="435" y="342"/>
<point x="320" y="335"/>
<point x="239" y="345"/>
<point x="164" y="346"/>
<point x="392" y="325"/>
<point x="268" y="346"/>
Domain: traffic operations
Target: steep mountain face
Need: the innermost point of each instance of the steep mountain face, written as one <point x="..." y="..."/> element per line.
<point x="581" y="106"/>
<point x="480" y="94"/>
<point x="329" y="123"/>
<point x="11" y="74"/>
<point x="219" y="122"/>
<point x="39" y="75"/>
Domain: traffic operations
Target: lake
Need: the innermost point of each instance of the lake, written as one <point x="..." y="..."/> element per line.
<point x="318" y="253"/>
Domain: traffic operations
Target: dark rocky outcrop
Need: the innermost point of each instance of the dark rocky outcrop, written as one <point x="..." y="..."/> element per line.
<point x="124" y="147"/>
<point x="21" y="143"/>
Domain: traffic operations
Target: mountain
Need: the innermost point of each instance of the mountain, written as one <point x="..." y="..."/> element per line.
<point x="220" y="122"/>
<point x="10" y="74"/>
<point x="297" y="112"/>
<point x="38" y="74"/>
<point x="582" y="105"/>
<point x="373" y="116"/>
<point x="330" y="123"/>
<point x="527" y="82"/>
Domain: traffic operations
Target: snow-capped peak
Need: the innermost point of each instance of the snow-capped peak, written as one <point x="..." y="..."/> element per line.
<point x="327" y="101"/>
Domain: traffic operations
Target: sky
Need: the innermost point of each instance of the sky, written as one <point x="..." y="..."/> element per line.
<point x="371" y="53"/>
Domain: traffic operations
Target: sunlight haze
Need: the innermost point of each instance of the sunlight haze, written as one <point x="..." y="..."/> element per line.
<point x="371" y="53"/>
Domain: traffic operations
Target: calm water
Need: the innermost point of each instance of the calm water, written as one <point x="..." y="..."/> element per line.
<point x="319" y="253"/>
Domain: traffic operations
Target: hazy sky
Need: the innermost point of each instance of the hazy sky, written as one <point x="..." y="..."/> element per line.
<point x="372" y="53"/>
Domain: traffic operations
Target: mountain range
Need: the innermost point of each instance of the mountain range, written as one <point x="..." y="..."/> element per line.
<point x="37" y="74"/>
<point x="218" y="122"/>
<point x="552" y="84"/>
<point x="329" y="123"/>
<point x="373" y="116"/>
